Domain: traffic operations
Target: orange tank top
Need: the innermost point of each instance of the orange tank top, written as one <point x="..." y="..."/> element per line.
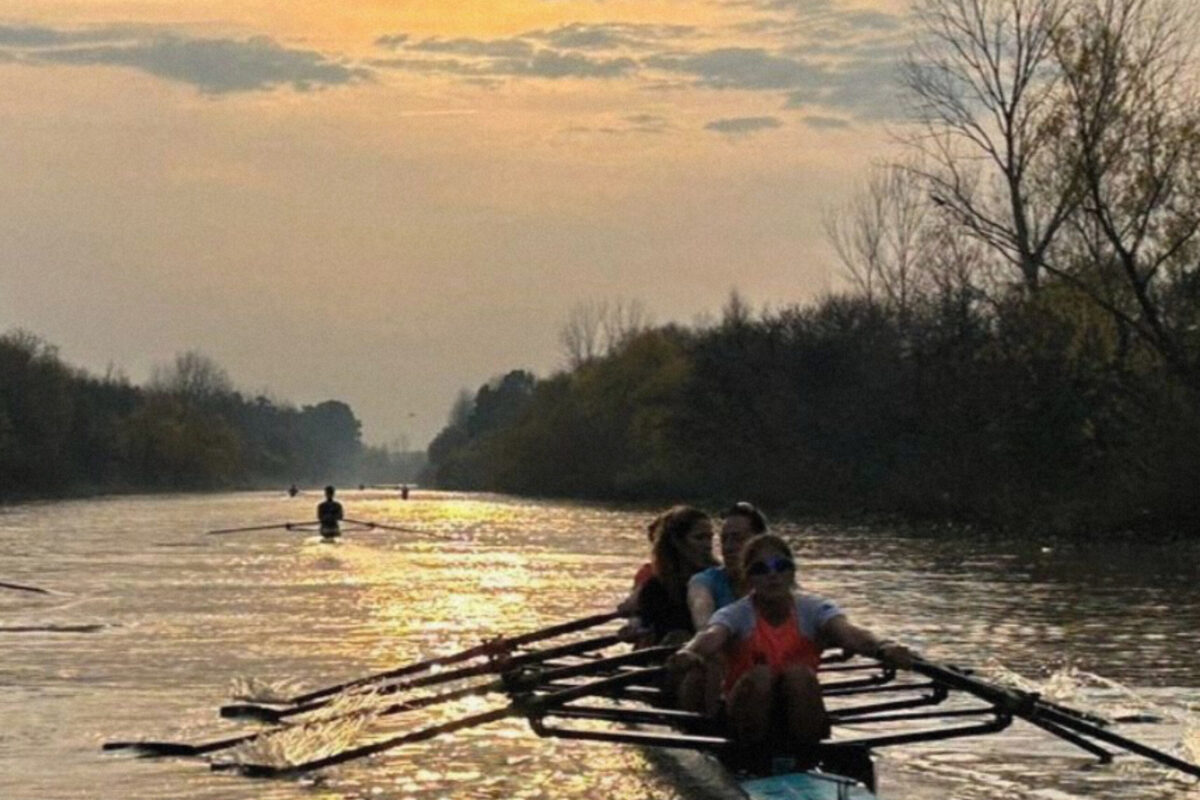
<point x="778" y="646"/>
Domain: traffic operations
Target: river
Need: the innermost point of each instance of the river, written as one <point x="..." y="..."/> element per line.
<point x="149" y="623"/>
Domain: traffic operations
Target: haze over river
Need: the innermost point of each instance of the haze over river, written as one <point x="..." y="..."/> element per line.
<point x="182" y="615"/>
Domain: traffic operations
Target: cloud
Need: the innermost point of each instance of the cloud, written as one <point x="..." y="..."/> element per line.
<point x="34" y="36"/>
<point x="547" y="64"/>
<point x="627" y="125"/>
<point x="807" y="52"/>
<point x="609" y="36"/>
<point x="214" y="66"/>
<point x="868" y="88"/>
<point x="740" y="68"/>
<point x="496" y="48"/>
<point x="394" y="41"/>
<point x="741" y="126"/>
<point x="825" y="123"/>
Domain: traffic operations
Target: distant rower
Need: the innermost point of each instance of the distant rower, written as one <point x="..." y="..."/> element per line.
<point x="293" y="491"/>
<point x="329" y="513"/>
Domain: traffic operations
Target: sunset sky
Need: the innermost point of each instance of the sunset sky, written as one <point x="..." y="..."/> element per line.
<point x="385" y="202"/>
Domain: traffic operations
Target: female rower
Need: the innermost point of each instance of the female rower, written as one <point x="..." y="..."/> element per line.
<point x="713" y="589"/>
<point x="683" y="547"/>
<point x="629" y="605"/>
<point x="718" y="586"/>
<point x="772" y="640"/>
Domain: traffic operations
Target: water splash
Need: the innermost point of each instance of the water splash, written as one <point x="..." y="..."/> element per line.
<point x="328" y="731"/>
<point x="1117" y="702"/>
<point x="256" y="690"/>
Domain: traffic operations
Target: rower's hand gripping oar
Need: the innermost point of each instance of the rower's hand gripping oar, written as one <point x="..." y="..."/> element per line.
<point x="490" y="648"/>
<point x="525" y="704"/>
<point x="1051" y="717"/>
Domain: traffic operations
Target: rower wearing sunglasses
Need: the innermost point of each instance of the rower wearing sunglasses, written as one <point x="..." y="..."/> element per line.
<point x="772" y="640"/>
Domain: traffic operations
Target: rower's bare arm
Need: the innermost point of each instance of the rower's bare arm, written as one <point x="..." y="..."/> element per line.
<point x="701" y="605"/>
<point x="845" y="634"/>
<point x="629" y="606"/>
<point x="703" y="646"/>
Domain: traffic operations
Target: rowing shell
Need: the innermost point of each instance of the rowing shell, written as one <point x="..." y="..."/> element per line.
<point x="704" y="777"/>
<point x="805" y="786"/>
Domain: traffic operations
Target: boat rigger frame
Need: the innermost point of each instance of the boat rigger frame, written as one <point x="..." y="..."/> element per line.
<point x="597" y="690"/>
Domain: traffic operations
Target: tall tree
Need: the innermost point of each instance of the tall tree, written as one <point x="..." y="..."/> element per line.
<point x="1133" y="114"/>
<point x="984" y="80"/>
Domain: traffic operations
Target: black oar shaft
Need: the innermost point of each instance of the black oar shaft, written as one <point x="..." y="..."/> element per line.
<point x="401" y="529"/>
<point x="524" y="659"/>
<point x="23" y="588"/>
<point x="284" y="525"/>
<point x="185" y="748"/>
<point x="510" y="669"/>
<point x="266" y="771"/>
<point x="523" y="705"/>
<point x="494" y="647"/>
<point x="1095" y="732"/>
<point x="1030" y="708"/>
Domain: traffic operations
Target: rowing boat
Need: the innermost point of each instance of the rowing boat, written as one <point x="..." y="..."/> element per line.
<point x="595" y="689"/>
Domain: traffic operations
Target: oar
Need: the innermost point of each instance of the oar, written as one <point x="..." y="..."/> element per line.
<point x="22" y="588"/>
<point x="491" y="648"/>
<point x="518" y="673"/>
<point x="284" y="525"/>
<point x="418" y="531"/>
<point x="496" y="666"/>
<point x="1028" y="706"/>
<point x="520" y="706"/>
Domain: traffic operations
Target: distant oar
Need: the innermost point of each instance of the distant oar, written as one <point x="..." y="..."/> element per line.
<point x="490" y="648"/>
<point x="418" y="531"/>
<point x="1031" y="708"/>
<point x="279" y="525"/>
<point x="22" y="588"/>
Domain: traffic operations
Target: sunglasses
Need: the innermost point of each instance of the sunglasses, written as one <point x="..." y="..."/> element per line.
<point x="778" y="564"/>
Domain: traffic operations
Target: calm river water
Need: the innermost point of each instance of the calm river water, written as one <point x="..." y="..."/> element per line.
<point x="171" y="618"/>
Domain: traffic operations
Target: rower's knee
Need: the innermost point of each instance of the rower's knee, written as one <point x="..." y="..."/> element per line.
<point x="750" y="703"/>
<point x="804" y="707"/>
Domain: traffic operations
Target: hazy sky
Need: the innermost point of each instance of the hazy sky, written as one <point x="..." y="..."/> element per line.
<point x="385" y="201"/>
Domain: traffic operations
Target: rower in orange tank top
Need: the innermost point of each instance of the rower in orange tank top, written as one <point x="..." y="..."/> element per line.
<point x="773" y="639"/>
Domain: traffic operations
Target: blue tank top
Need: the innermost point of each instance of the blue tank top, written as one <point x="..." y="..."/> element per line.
<point x="716" y="581"/>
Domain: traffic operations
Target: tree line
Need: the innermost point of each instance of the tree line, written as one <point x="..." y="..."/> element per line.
<point x="1020" y="345"/>
<point x="63" y="431"/>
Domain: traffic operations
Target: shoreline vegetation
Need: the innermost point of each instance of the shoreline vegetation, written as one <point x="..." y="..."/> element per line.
<point x="1019" y="348"/>
<point x="843" y="410"/>
<point x="65" y="433"/>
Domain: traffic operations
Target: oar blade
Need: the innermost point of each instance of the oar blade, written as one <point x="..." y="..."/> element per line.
<point x="151" y="749"/>
<point x="251" y="711"/>
<point x="1030" y="707"/>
